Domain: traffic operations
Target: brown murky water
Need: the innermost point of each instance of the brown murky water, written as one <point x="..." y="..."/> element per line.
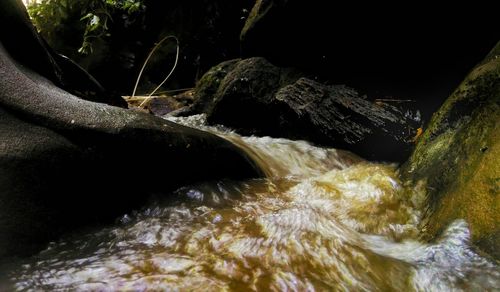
<point x="323" y="220"/>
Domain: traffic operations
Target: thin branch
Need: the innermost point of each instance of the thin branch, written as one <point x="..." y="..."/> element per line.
<point x="146" y="62"/>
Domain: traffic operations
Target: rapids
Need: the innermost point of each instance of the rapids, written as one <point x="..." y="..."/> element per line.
<point x="323" y="219"/>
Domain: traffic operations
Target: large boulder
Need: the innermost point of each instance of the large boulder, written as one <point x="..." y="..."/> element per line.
<point x="66" y="162"/>
<point x="458" y="158"/>
<point x="255" y="97"/>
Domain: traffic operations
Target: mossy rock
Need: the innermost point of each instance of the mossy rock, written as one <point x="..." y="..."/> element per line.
<point x="255" y="97"/>
<point x="458" y="157"/>
<point x="207" y="86"/>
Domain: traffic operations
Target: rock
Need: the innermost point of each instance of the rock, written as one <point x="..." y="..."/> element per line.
<point x="458" y="158"/>
<point x="66" y="162"/>
<point x="41" y="186"/>
<point x="257" y="98"/>
<point x="338" y="116"/>
<point x="207" y="86"/>
<point x="241" y="84"/>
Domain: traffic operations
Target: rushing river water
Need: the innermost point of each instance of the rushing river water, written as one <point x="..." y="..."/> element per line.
<point x="324" y="219"/>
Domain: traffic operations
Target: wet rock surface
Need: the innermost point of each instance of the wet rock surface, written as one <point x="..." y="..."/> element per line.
<point x="458" y="158"/>
<point x="257" y="98"/>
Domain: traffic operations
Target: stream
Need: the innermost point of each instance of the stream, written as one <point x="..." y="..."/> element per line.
<point x="323" y="219"/>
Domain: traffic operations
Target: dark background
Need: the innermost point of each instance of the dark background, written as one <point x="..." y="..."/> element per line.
<point x="418" y="52"/>
<point x="405" y="51"/>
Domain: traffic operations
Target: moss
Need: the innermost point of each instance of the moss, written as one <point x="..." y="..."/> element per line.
<point x="459" y="158"/>
<point x="207" y="86"/>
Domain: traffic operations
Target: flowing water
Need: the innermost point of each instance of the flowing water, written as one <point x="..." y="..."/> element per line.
<point x="324" y="219"/>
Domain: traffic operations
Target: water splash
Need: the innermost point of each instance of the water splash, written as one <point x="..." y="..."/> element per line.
<point x="323" y="220"/>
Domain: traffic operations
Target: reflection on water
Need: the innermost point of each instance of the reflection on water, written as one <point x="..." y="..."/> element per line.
<point x="323" y="220"/>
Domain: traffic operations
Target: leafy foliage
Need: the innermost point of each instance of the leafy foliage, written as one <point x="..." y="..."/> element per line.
<point x="94" y="17"/>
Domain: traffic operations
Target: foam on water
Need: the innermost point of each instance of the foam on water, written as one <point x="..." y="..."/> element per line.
<point x="323" y="220"/>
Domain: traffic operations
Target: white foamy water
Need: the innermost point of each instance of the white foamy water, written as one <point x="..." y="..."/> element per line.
<point x="323" y="220"/>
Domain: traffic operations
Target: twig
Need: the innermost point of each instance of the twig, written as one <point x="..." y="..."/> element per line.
<point x="175" y="90"/>
<point x="146" y="62"/>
